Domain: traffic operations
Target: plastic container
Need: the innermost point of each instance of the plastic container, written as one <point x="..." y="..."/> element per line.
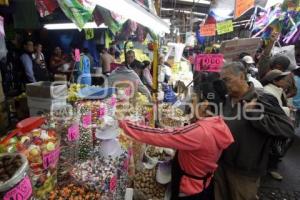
<point x="19" y="185"/>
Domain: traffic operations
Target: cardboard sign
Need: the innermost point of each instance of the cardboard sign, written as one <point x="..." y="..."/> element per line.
<point x="209" y="62"/>
<point x="23" y="191"/>
<point x="224" y="27"/>
<point x="231" y="49"/>
<point x="208" y="30"/>
<point x="86" y="120"/>
<point x="73" y="133"/>
<point x="51" y="159"/>
<point x="242" y="6"/>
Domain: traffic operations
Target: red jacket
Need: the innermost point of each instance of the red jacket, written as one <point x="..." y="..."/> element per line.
<point x="199" y="146"/>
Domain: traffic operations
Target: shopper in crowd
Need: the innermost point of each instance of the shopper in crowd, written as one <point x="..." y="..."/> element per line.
<point x="40" y="63"/>
<point x="147" y="77"/>
<point x="83" y="69"/>
<point x="130" y="59"/>
<point x="164" y="71"/>
<point x="27" y="62"/>
<point x="124" y="73"/>
<point x="254" y="118"/>
<point x="296" y="98"/>
<point x="106" y="61"/>
<point x="57" y="60"/>
<point x="198" y="146"/>
<point x="280" y="62"/>
<point x="248" y="62"/>
<point x="275" y="84"/>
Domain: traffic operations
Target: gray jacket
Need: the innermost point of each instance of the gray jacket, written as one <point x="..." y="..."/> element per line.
<point x="124" y="74"/>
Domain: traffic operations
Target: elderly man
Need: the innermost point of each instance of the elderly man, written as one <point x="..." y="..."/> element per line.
<point x="253" y="118"/>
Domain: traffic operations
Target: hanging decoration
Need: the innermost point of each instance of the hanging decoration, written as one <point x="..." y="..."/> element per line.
<point x="80" y="12"/>
<point x="46" y="7"/>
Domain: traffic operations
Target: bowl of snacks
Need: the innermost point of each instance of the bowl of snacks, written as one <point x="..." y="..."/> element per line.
<point x="156" y="155"/>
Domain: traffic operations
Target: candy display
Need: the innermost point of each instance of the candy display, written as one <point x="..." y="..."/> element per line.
<point x="8" y="166"/>
<point x="42" y="149"/>
<point x="72" y="191"/>
<point x="161" y="154"/>
<point x="14" y="180"/>
<point x="146" y="185"/>
<point x="85" y="128"/>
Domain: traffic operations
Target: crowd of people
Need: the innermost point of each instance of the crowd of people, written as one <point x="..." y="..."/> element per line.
<point x="243" y="121"/>
<point x="223" y="155"/>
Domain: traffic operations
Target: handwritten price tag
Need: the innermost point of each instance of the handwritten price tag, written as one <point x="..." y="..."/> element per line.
<point x="225" y="27"/>
<point x="209" y="62"/>
<point x="22" y="191"/>
<point x="113" y="184"/>
<point x="208" y="30"/>
<point x="86" y="120"/>
<point x="51" y="159"/>
<point x="73" y="133"/>
<point x="241" y="6"/>
<point x="101" y="112"/>
<point x="113" y="101"/>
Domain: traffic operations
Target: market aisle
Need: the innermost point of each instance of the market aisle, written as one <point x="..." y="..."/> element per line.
<point x="289" y="187"/>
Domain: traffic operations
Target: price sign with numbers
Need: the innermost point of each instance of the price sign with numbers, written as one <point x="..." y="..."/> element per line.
<point x="86" y="120"/>
<point x="73" y="133"/>
<point x="209" y="62"/>
<point x="51" y="159"/>
<point x="21" y="191"/>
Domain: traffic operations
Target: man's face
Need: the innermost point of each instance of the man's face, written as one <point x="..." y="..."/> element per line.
<point x="283" y="82"/>
<point x="29" y="47"/>
<point x="57" y="51"/>
<point x="233" y="82"/>
<point x="130" y="57"/>
<point x="39" y="48"/>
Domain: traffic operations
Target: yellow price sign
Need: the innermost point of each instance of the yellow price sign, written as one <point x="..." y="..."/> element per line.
<point x="89" y="34"/>
<point x="224" y="27"/>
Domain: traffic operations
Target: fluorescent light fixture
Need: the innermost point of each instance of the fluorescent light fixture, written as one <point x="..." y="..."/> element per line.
<point x="196" y="1"/>
<point x="131" y="10"/>
<point x="64" y="26"/>
<point x="184" y="11"/>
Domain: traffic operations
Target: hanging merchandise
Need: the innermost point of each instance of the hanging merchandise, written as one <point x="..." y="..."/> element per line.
<point x="114" y="26"/>
<point x="224" y="27"/>
<point x="46" y="7"/>
<point x="89" y="34"/>
<point x="80" y="12"/>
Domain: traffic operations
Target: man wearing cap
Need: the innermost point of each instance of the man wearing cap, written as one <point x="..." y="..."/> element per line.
<point x="280" y="62"/>
<point x="252" y="71"/>
<point x="275" y="84"/>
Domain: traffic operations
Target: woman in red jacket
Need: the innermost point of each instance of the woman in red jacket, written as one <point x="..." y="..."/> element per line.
<point x="198" y="146"/>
